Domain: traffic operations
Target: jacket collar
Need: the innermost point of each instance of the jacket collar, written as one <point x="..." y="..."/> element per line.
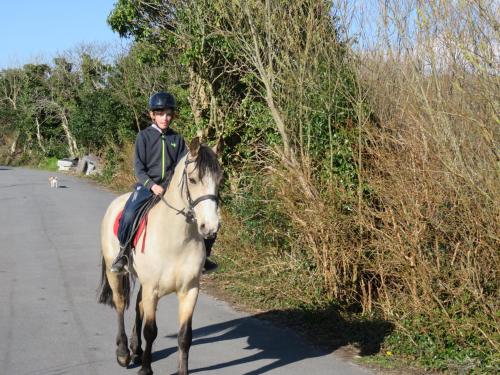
<point x="154" y="126"/>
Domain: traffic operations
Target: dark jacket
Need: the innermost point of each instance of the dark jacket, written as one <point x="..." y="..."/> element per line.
<point x="156" y="155"/>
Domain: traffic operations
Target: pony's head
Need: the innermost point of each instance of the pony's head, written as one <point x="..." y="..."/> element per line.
<point x="202" y="178"/>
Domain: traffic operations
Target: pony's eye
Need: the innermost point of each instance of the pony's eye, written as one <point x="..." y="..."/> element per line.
<point x="192" y="180"/>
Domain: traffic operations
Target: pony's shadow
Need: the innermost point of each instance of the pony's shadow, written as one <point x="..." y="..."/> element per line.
<point x="283" y="346"/>
<point x="5" y="169"/>
<point x="156" y="356"/>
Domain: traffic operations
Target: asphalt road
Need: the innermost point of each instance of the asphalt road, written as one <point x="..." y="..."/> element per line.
<point x="50" y="322"/>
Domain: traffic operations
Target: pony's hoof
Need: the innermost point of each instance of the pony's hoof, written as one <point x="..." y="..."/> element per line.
<point x="123" y="360"/>
<point x="144" y="371"/>
<point x="136" y="359"/>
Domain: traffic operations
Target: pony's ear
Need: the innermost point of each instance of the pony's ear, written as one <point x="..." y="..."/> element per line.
<point x="201" y="135"/>
<point x="218" y="147"/>
<point x="194" y="146"/>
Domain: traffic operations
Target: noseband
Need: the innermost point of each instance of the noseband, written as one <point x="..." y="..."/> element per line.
<point x="188" y="212"/>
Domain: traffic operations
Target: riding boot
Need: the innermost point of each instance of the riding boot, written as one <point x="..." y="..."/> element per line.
<point x="209" y="265"/>
<point x="120" y="264"/>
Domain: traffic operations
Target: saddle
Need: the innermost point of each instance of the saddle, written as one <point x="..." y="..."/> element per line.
<point x="141" y="228"/>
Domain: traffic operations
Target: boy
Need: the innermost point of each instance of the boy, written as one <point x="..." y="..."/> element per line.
<point x="158" y="149"/>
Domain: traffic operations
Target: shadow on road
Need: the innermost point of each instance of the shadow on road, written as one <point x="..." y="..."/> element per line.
<point x="157" y="356"/>
<point x="325" y="327"/>
<point x="4" y="169"/>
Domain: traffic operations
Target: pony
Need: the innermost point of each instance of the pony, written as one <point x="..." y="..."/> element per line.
<point x="173" y="257"/>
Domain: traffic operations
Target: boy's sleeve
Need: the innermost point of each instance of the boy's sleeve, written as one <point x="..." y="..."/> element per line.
<point x="140" y="162"/>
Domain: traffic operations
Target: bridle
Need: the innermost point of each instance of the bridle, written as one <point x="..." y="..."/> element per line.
<point x="188" y="212"/>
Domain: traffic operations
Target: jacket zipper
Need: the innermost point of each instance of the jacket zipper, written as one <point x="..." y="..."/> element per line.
<point x="162" y="156"/>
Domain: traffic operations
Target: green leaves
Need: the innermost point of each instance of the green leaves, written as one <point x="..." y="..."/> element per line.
<point x="99" y="119"/>
<point x="124" y="19"/>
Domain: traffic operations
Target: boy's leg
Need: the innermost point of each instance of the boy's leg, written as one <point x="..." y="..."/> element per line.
<point x="136" y="200"/>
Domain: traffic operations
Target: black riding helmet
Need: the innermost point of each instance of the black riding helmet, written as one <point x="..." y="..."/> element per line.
<point x="161" y="100"/>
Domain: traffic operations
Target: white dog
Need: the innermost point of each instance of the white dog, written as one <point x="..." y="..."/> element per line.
<point x="53" y="182"/>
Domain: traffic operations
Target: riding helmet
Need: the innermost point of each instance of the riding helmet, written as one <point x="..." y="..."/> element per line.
<point x="161" y="100"/>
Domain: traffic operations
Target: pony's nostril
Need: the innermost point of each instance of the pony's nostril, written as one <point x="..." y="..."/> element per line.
<point x="202" y="226"/>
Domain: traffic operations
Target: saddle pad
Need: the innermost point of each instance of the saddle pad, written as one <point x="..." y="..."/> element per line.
<point x="142" y="226"/>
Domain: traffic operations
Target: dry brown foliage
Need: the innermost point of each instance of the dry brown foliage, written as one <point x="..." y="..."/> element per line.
<point x="423" y="238"/>
<point x="121" y="176"/>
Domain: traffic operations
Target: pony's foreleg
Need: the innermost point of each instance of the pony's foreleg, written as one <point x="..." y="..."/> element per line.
<point x="119" y="299"/>
<point x="149" y="303"/>
<point x="187" y="302"/>
<point x="135" y="340"/>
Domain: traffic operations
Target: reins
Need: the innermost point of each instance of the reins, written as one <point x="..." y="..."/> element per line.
<point x="189" y="213"/>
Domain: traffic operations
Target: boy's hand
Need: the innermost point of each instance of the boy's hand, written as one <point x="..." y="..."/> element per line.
<point x="157" y="189"/>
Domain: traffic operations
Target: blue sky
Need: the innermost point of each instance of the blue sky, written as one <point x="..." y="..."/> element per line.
<point x="36" y="30"/>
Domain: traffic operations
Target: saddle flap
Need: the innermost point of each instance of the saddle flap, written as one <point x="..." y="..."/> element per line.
<point x="138" y="233"/>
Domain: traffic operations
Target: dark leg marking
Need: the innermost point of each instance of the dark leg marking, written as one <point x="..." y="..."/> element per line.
<point x="122" y="353"/>
<point x="184" y="339"/>
<point x="150" y="333"/>
<point x="136" y="339"/>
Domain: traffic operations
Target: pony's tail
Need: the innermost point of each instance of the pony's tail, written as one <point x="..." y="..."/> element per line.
<point x="105" y="293"/>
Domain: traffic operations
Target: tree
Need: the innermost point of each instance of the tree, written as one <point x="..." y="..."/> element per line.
<point x="11" y="84"/>
<point x="279" y="53"/>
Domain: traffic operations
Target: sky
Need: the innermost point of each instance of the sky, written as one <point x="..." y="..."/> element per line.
<point x="37" y="30"/>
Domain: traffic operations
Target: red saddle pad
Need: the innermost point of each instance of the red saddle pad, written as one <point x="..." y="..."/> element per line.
<point x="142" y="227"/>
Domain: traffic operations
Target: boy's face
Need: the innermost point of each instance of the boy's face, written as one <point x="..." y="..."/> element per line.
<point x="162" y="117"/>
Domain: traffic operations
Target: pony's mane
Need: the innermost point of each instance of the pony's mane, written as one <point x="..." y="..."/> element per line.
<point x="207" y="162"/>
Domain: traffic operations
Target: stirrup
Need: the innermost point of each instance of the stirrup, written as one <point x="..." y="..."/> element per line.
<point x="118" y="267"/>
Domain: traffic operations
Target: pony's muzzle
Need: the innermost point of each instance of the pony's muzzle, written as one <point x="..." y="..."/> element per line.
<point x="207" y="232"/>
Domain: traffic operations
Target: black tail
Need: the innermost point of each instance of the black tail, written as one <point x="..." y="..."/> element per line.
<point x="105" y="294"/>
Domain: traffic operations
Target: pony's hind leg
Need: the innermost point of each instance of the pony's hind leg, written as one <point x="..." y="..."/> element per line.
<point x="149" y="303"/>
<point x="119" y="285"/>
<point x="135" y="340"/>
<point x="187" y="303"/>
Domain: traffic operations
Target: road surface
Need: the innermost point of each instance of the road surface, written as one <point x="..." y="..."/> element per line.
<point x="50" y="322"/>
